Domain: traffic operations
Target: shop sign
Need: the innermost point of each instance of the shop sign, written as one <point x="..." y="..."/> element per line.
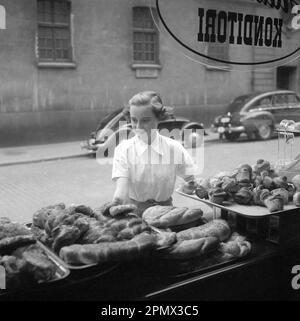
<point x="208" y="30"/>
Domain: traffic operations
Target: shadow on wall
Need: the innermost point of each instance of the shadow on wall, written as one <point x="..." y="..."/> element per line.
<point x="30" y="128"/>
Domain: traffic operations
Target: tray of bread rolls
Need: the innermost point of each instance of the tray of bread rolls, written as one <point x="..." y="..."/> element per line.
<point x="254" y="191"/>
<point x="98" y="239"/>
<point x="245" y="210"/>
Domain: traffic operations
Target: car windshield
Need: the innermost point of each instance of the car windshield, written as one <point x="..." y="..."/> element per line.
<point x="108" y="118"/>
<point x="237" y="104"/>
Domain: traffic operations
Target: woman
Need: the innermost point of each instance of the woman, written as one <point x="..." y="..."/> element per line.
<point x="145" y="166"/>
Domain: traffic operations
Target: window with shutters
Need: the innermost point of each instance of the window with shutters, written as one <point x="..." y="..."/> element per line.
<point x="145" y="36"/>
<point x="54" y="31"/>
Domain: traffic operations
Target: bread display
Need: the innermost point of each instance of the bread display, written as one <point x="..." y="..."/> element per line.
<point x="64" y="226"/>
<point x="250" y="185"/>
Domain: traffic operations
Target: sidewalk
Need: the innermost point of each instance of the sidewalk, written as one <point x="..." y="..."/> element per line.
<point x="39" y="153"/>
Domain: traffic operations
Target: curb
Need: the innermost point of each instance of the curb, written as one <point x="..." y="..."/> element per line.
<point x="43" y="160"/>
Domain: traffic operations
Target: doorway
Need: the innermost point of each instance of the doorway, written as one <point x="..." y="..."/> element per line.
<point x="286" y="77"/>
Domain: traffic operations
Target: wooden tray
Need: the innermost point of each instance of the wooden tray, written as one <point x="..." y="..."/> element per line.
<point x="246" y="210"/>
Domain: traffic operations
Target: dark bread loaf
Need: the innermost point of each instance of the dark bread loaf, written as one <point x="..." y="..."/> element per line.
<point x="108" y="252"/>
<point x="216" y="228"/>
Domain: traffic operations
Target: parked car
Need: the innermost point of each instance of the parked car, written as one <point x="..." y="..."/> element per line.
<point x="116" y="126"/>
<point x="257" y="114"/>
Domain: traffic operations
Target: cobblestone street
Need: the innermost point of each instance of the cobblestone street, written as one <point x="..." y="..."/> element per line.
<point x="27" y="187"/>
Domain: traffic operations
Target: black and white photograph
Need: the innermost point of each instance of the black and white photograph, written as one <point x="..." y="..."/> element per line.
<point x="149" y="153"/>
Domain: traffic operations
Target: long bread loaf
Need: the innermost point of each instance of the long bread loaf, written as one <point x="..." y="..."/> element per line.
<point x="108" y="251"/>
<point x="216" y="228"/>
<point x="168" y="216"/>
<point x="187" y="249"/>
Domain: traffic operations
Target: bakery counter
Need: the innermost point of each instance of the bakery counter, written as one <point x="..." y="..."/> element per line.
<point x="264" y="274"/>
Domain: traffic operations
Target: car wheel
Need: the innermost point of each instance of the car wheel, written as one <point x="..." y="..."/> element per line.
<point x="193" y="138"/>
<point x="264" y="131"/>
<point x="232" y="136"/>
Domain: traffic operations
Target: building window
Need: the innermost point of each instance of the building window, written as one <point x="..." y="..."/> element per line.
<point x="145" y="36"/>
<point x="54" y="31"/>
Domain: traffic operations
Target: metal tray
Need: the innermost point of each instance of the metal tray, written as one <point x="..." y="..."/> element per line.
<point x="62" y="272"/>
<point x="196" y="266"/>
<point x="245" y="210"/>
<point x="100" y="268"/>
<point x="70" y="266"/>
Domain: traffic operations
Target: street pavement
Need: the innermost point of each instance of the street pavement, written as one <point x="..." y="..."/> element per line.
<point x="66" y="174"/>
<point x="38" y="153"/>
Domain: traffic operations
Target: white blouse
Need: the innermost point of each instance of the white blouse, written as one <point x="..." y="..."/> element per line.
<point x="151" y="169"/>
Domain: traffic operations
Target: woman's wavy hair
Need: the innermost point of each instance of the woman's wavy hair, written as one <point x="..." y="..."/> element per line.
<point x="145" y="98"/>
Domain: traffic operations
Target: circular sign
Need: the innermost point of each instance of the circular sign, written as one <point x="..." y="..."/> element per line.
<point x="243" y="33"/>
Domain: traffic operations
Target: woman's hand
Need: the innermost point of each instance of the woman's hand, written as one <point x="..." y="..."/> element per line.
<point x="121" y="192"/>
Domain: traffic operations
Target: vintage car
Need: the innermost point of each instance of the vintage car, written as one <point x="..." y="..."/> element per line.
<point x="116" y="126"/>
<point x="257" y="114"/>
